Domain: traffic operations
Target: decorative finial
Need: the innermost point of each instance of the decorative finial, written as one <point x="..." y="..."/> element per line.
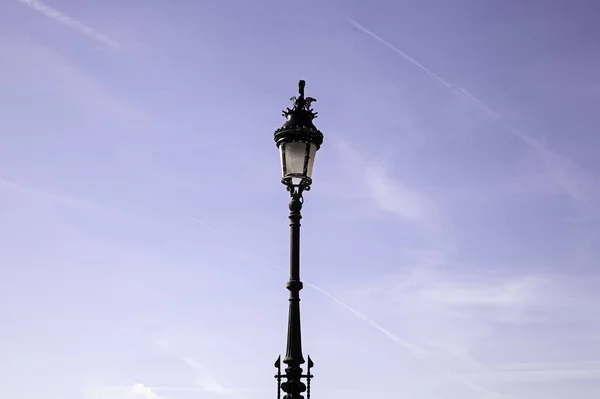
<point x="301" y="85"/>
<point x="300" y="103"/>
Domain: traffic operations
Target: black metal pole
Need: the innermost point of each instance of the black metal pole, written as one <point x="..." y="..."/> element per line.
<point x="294" y="387"/>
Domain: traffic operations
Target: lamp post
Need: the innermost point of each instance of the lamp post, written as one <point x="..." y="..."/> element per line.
<point x="298" y="141"/>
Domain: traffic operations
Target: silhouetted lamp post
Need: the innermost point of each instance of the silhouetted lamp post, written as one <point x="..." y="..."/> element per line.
<point x="298" y="141"/>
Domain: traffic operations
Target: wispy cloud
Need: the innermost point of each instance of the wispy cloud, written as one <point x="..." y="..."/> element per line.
<point x="410" y="347"/>
<point x="49" y="196"/>
<point x="61" y="77"/>
<point x="396" y="197"/>
<point x="510" y="301"/>
<point x="144" y="392"/>
<point x="64" y="19"/>
<point x="542" y="372"/>
<point x="135" y="391"/>
<point x="389" y="193"/>
<point x="204" y="381"/>
<point x="204" y="224"/>
<point x="573" y="180"/>
<point x="494" y="294"/>
<point x="449" y="314"/>
<point x="402" y="53"/>
<point x="413" y="349"/>
<point x="142" y="389"/>
<point x="479" y="297"/>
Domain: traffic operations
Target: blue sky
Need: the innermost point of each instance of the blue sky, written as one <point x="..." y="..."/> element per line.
<point x="449" y="244"/>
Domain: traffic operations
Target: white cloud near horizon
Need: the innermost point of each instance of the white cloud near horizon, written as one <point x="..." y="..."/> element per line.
<point x="414" y="350"/>
<point x="486" y="293"/>
<point x="73" y="23"/>
<point x="451" y="315"/>
<point x="144" y="392"/>
<point x="529" y="373"/>
<point x="134" y="391"/>
<point x="204" y="381"/>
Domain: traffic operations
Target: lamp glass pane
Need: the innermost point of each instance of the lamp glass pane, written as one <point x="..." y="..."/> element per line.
<point x="282" y="160"/>
<point x="311" y="159"/>
<point x="293" y="156"/>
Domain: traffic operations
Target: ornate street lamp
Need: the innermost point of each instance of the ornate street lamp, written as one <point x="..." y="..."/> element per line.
<point x="298" y="141"/>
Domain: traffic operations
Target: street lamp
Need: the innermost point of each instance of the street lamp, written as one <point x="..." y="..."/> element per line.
<point x="298" y="141"/>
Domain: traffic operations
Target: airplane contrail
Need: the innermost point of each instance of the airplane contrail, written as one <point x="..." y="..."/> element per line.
<point x="64" y="19"/>
<point x="412" y="348"/>
<point x="559" y="167"/>
<point x="458" y="90"/>
<point x="415" y="350"/>
<point x="205" y="382"/>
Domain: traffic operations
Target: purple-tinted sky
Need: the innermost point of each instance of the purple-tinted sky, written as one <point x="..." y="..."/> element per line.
<point x="451" y="242"/>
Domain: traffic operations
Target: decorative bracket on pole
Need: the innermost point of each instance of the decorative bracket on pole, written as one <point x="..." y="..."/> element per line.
<point x="296" y="191"/>
<point x="308" y="376"/>
<point x="278" y="376"/>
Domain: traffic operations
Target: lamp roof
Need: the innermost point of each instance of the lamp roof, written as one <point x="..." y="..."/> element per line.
<point x="299" y="125"/>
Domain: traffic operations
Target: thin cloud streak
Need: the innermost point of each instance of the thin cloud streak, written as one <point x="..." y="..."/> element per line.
<point x="205" y="225"/>
<point x="413" y="349"/>
<point x="403" y="54"/>
<point x="543" y="372"/>
<point x="165" y="389"/>
<point x="204" y="382"/>
<point x="45" y="195"/>
<point x="78" y="203"/>
<point x="483" y="307"/>
<point x="160" y="388"/>
<point x="559" y="167"/>
<point x="64" y="19"/>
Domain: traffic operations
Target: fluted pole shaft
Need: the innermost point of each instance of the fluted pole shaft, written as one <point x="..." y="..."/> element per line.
<point x="293" y="356"/>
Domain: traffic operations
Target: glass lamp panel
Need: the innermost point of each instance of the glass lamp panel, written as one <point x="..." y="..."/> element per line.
<point x="282" y="159"/>
<point x="293" y="156"/>
<point x="311" y="159"/>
